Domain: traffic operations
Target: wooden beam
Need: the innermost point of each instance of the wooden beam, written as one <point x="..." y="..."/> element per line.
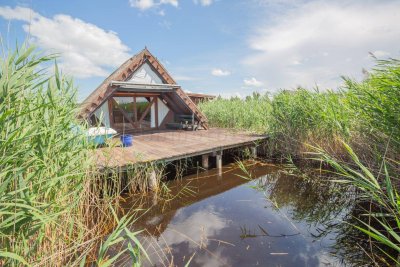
<point x="147" y="110"/>
<point x="171" y="104"/>
<point x="110" y="112"/>
<point x="169" y="117"/>
<point x="129" y="94"/>
<point x="134" y="109"/>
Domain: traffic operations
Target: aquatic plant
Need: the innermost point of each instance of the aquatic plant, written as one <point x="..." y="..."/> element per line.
<point x="381" y="222"/>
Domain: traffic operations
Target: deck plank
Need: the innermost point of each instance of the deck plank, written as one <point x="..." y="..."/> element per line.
<point x="170" y="145"/>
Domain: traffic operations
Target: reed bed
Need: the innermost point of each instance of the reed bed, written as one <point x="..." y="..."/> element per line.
<point x="354" y="130"/>
<point x="56" y="209"/>
<point x="251" y="113"/>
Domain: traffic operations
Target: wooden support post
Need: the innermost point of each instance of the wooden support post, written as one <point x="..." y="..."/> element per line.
<point x="134" y="110"/>
<point x="153" y="185"/>
<point x="111" y="111"/>
<point x="218" y="159"/>
<point x="156" y="111"/>
<point x="204" y="161"/>
<point x="253" y="151"/>
<point x="219" y="174"/>
<point x="154" y="199"/>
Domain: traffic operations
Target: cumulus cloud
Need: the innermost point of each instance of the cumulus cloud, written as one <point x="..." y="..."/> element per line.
<point x="148" y="4"/>
<point x="253" y="82"/>
<point x="171" y="2"/>
<point x="18" y="13"/>
<point x="203" y="2"/>
<point x="85" y="49"/>
<point x="220" y="72"/>
<point x="315" y="42"/>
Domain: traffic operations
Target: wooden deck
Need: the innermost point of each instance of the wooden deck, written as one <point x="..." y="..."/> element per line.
<point x="173" y="145"/>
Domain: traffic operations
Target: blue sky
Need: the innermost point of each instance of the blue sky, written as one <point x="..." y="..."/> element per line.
<point x="222" y="47"/>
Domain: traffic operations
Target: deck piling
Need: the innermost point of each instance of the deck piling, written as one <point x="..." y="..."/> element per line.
<point x="204" y="161"/>
<point x="253" y="151"/>
<point x="218" y="158"/>
<point x="153" y="184"/>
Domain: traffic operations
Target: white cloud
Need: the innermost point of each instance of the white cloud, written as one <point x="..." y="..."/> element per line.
<point x="174" y="3"/>
<point x="85" y="49"/>
<point x="142" y="4"/>
<point x="380" y="53"/>
<point x="220" y="72"/>
<point x="198" y="227"/>
<point x="18" y="13"/>
<point x="148" y="4"/>
<point x="253" y="82"/>
<point x="318" y="41"/>
<point x="203" y="2"/>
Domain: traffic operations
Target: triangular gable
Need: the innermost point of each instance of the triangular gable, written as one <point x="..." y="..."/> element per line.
<point x="141" y="66"/>
<point x="146" y="75"/>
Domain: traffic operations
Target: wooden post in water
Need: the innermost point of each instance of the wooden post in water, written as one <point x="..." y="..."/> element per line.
<point x="253" y="151"/>
<point x="204" y="161"/>
<point x="218" y="159"/>
<point x="153" y="181"/>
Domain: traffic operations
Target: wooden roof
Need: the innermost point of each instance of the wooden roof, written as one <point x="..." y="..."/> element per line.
<point x="123" y="73"/>
<point x="200" y="95"/>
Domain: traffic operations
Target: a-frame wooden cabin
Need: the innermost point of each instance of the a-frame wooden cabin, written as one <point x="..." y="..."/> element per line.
<point x="140" y="96"/>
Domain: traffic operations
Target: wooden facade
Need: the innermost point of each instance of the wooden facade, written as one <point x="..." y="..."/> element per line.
<point x="139" y="96"/>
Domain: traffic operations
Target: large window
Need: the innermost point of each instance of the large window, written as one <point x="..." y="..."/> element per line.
<point x="143" y="105"/>
<point x="132" y="112"/>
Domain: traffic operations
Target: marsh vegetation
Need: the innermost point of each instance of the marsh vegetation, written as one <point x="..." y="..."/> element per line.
<point x="57" y="209"/>
<point x="353" y="132"/>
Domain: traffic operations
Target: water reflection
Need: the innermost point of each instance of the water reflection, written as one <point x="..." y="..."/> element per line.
<point x="273" y="220"/>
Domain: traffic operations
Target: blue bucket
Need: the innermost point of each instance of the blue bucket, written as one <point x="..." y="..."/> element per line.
<point x="126" y="140"/>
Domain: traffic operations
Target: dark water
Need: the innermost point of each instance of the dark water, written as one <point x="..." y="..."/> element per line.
<point x="275" y="219"/>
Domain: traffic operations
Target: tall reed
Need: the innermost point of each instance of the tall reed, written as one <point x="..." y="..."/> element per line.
<point x="290" y="117"/>
<point x="251" y="113"/>
<point x="381" y="222"/>
<point x="51" y="214"/>
<point x="355" y="130"/>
